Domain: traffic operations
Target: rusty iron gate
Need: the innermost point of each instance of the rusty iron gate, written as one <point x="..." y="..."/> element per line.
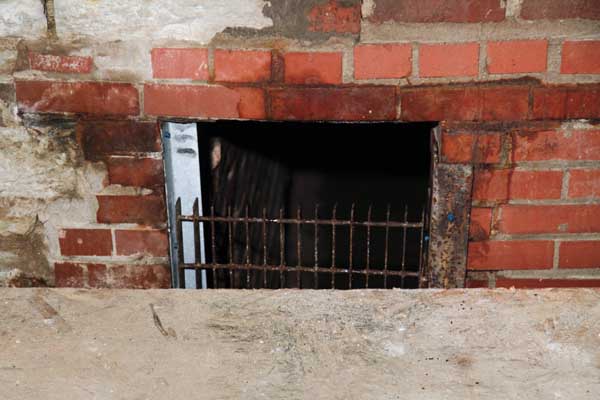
<point x="240" y="250"/>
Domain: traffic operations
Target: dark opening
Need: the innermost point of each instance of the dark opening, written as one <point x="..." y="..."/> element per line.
<point x="305" y="171"/>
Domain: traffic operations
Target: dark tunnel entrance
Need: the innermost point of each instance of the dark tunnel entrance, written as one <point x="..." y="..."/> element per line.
<point x="313" y="205"/>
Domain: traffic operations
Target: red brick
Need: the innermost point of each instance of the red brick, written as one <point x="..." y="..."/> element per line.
<point x="335" y="16"/>
<point x="204" y="101"/>
<point x="382" y="61"/>
<point x="581" y="57"/>
<point x="143" y="210"/>
<point x="59" y="63"/>
<point x="584" y="183"/>
<point x="527" y="219"/>
<point x="471" y="148"/>
<point x="546" y="283"/>
<point x="334" y="104"/>
<point x="180" y="63"/>
<point x="438" y="104"/>
<point x="439" y="60"/>
<point x="438" y="11"/>
<point x="498" y="103"/>
<point x="149" y="242"/>
<point x="129" y="276"/>
<point x="242" y="66"/>
<point x="566" y="102"/>
<point x="583" y="254"/>
<point x="97" y="98"/>
<point x="517" y="56"/>
<point x="560" y="9"/>
<point x="498" y="255"/>
<point x="504" y="103"/>
<point x="252" y="103"/>
<point x="480" y="223"/>
<point x="85" y="242"/>
<point x="557" y="145"/>
<point x="313" y="68"/>
<point x="476" y="284"/>
<point x="500" y="185"/>
<point x="100" y="139"/>
<point x="68" y="275"/>
<point x="135" y="171"/>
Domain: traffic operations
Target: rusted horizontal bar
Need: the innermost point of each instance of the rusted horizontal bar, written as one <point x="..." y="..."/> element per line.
<point x="390" y="224"/>
<point x="333" y="270"/>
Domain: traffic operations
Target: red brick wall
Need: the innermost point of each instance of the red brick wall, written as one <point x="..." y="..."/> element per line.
<point x="535" y="220"/>
<point x="128" y="245"/>
<point x="508" y="106"/>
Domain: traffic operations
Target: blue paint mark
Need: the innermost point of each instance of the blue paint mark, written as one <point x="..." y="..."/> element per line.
<point x="451" y="217"/>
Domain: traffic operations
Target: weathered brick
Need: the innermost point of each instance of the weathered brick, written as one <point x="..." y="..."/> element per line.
<point x="497" y="103"/>
<point x="142" y="241"/>
<point x="540" y="283"/>
<point x="510" y="254"/>
<point x="313" y="68"/>
<point x="471" y="148"/>
<point x="581" y="57"/>
<point x="581" y="254"/>
<point x="501" y="185"/>
<point x="508" y="103"/>
<point x="334" y="104"/>
<point x="455" y="59"/>
<point x="438" y="104"/>
<point x="438" y="11"/>
<point x="517" y="56"/>
<point x="382" y="61"/>
<point x="204" y="101"/>
<point x="129" y="276"/>
<point x="184" y="63"/>
<point x="68" y="275"/>
<point x="242" y="66"/>
<point x="529" y="219"/>
<point x="100" y="139"/>
<point x="476" y="284"/>
<point x="143" y="210"/>
<point x="135" y="171"/>
<point x="96" y="98"/>
<point x="584" y="183"/>
<point x="335" y="16"/>
<point x="560" y="9"/>
<point x="85" y="242"/>
<point x="557" y="145"/>
<point x="60" y="63"/>
<point x="566" y="102"/>
<point x="480" y="223"/>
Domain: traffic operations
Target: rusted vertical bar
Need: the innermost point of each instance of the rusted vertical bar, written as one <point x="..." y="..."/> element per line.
<point x="350" y="260"/>
<point x="197" y="255"/>
<point x="316" y="265"/>
<point x="298" y="246"/>
<point x="451" y="187"/>
<point x="387" y="237"/>
<point x="333" y="246"/>
<point x="281" y="248"/>
<point x="247" y="250"/>
<point x="264" y="235"/>
<point x="421" y="248"/>
<point x="230" y="233"/>
<point x="404" y="231"/>
<point x="180" y="254"/>
<point x="368" y="266"/>
<point x="213" y="245"/>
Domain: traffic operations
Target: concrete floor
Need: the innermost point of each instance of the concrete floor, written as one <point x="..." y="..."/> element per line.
<point x="475" y="344"/>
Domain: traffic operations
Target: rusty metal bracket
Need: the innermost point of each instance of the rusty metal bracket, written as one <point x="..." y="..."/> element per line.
<point x="449" y="221"/>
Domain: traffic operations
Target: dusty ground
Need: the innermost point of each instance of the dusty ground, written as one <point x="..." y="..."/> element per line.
<point x="475" y="344"/>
